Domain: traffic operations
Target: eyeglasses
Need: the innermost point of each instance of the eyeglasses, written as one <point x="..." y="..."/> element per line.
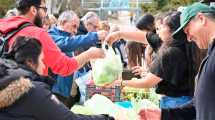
<point x="44" y="8"/>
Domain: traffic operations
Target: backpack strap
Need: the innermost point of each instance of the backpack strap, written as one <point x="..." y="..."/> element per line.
<point x="4" y="38"/>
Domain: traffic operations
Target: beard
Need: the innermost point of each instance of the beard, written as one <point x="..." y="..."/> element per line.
<point x="38" y="20"/>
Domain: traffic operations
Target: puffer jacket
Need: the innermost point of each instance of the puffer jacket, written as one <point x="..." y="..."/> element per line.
<point x="24" y="97"/>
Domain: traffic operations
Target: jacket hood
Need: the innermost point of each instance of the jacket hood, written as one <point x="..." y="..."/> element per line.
<point x="14" y="91"/>
<point x="14" y="82"/>
<point x="11" y="23"/>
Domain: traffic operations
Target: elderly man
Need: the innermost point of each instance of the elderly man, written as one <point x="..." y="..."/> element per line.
<point x="89" y="23"/>
<point x="198" y="22"/>
<point x="64" y="36"/>
<point x="64" y="33"/>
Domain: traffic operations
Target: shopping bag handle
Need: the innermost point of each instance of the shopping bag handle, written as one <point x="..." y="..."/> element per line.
<point x="105" y="46"/>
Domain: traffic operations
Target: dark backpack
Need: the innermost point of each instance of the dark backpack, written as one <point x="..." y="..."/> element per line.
<point x="5" y="37"/>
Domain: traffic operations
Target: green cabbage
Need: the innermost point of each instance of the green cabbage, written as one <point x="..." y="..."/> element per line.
<point x="106" y="70"/>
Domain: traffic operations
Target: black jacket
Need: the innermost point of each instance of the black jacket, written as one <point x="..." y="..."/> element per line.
<point x="82" y="29"/>
<point x="24" y="97"/>
<point x="204" y="94"/>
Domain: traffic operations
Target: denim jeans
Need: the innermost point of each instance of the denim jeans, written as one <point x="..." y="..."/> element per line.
<point x="172" y="102"/>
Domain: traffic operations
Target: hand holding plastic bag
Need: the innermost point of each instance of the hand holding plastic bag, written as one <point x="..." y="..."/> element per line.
<point x="106" y="70"/>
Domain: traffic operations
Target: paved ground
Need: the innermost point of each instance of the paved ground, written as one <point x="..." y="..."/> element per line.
<point x="123" y="21"/>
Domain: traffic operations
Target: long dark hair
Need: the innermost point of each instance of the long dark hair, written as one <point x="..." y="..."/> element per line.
<point x="25" y="49"/>
<point x="135" y="53"/>
<point x="172" y="20"/>
<point x="146" y="22"/>
<point x="193" y="53"/>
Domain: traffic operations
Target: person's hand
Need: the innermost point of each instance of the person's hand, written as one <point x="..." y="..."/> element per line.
<point x="114" y="28"/>
<point x="150" y="114"/>
<point x="117" y="82"/>
<point x="114" y="83"/>
<point x="137" y="70"/>
<point x="112" y="37"/>
<point x="102" y="34"/>
<point x="95" y="53"/>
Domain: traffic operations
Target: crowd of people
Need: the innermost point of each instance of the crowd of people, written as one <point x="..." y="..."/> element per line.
<point x="43" y="56"/>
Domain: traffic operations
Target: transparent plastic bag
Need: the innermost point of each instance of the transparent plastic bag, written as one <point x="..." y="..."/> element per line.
<point x="106" y="70"/>
<point x="82" y="84"/>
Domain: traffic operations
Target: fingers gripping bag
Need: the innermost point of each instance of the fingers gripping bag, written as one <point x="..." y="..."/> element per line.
<point x="106" y="70"/>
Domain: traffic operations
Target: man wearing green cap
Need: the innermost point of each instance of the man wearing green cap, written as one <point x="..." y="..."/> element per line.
<point x="198" y="22"/>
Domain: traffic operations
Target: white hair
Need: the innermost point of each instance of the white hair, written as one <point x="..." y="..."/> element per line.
<point x="67" y="16"/>
<point x="89" y="17"/>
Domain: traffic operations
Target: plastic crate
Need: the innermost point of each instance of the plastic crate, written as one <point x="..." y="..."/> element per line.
<point x="113" y="93"/>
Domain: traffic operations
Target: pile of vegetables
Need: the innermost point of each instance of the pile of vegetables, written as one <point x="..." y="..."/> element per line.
<point x="153" y="97"/>
<point x="132" y="94"/>
<point x="129" y="93"/>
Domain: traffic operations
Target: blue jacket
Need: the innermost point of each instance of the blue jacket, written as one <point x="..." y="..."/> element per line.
<point x="68" y="44"/>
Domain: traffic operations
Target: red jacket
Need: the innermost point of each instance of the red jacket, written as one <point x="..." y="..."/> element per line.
<point x="53" y="57"/>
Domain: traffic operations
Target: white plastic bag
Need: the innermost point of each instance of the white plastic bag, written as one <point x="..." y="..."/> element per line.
<point x="96" y="105"/>
<point x="106" y="70"/>
<point x="82" y="84"/>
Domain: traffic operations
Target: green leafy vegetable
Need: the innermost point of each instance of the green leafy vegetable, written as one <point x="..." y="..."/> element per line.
<point x="106" y="70"/>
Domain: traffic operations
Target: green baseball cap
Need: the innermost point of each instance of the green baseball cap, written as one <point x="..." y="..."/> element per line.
<point x="191" y="11"/>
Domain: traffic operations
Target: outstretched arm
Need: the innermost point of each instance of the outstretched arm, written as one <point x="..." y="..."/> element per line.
<point x="137" y="35"/>
<point x="150" y="80"/>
